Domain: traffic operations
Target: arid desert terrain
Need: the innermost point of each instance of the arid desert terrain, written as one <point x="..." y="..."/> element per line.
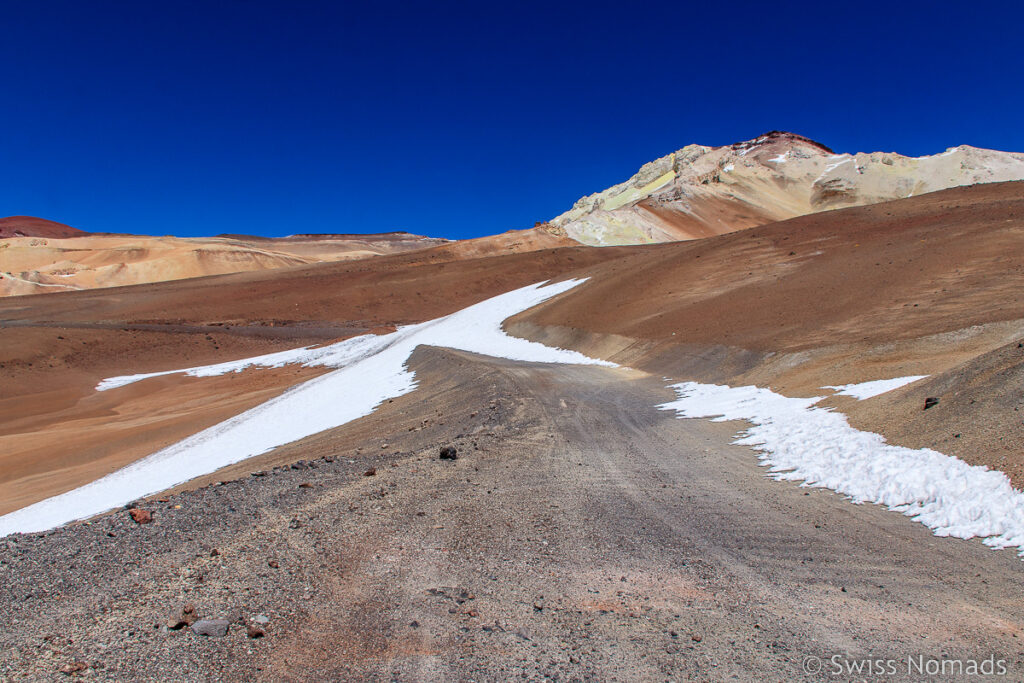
<point x="756" y="410"/>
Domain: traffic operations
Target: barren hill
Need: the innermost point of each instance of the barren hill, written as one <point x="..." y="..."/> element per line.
<point x="700" y="191"/>
<point x="797" y="304"/>
<point x="30" y="226"/>
<point x="577" y="513"/>
<point x="63" y="262"/>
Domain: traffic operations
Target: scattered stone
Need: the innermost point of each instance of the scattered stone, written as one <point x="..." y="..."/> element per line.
<point x="372" y="472"/>
<point x="414" y="624"/>
<point x="696" y="637"/>
<point x="214" y="553"/>
<point x="73" y="668"/>
<point x="305" y="485"/>
<point x="294" y="524"/>
<point x="217" y="628"/>
<point x="186" y="617"/>
<point x="140" y="516"/>
<point x="273" y="564"/>
<point x="255" y="632"/>
<point x="930" y="402"/>
<point x="260" y="619"/>
<point x="448" y="453"/>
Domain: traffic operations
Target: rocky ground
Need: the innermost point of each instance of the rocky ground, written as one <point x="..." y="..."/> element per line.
<point x="581" y="534"/>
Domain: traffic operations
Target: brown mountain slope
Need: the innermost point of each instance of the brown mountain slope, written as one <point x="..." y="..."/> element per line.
<point x="823" y="299"/>
<point x="879" y="273"/>
<point x="56" y="432"/>
<point x="30" y="226"/>
<point x="923" y="286"/>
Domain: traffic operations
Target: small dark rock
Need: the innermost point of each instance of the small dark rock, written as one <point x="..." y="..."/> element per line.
<point x="448" y="453"/>
<point x="372" y="472"/>
<point x="294" y="524"/>
<point x="930" y="402"/>
<point x="140" y="516"/>
<point x="273" y="564"/>
<point x="305" y="485"/>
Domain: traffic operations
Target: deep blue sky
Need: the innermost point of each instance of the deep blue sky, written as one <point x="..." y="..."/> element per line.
<point x="458" y="119"/>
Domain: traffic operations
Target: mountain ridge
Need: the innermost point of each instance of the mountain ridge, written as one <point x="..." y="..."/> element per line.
<point x="699" y="191"/>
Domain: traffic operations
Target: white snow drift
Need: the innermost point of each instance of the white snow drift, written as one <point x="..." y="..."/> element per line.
<point x="371" y="369"/>
<point x="799" y="442"/>
<point x="796" y="440"/>
<point x="866" y="390"/>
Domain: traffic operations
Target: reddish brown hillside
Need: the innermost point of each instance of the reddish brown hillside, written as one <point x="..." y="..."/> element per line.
<point x="30" y="226"/>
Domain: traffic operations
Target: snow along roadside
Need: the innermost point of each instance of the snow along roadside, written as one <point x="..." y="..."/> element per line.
<point x="370" y="370"/>
<point x="818" y="447"/>
<point x="865" y="390"/>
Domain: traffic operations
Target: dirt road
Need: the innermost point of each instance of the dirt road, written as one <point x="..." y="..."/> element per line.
<point x="582" y="534"/>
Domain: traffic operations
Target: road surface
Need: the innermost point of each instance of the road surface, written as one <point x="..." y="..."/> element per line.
<point x="582" y="534"/>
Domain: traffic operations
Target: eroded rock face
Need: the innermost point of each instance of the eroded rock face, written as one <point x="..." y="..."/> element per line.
<point x="701" y="191"/>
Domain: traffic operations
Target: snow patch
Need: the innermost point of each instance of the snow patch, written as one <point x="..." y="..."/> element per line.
<point x="818" y="447"/>
<point x="369" y="370"/>
<point x="832" y="167"/>
<point x="866" y="390"/>
<point x="781" y="159"/>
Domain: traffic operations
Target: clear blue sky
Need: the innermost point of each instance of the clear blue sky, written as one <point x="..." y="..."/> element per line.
<point x="458" y="119"/>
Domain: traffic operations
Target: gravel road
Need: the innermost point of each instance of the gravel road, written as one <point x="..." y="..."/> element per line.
<point x="581" y="534"/>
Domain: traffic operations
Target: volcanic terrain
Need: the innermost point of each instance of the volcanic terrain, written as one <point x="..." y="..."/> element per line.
<point x="584" y="531"/>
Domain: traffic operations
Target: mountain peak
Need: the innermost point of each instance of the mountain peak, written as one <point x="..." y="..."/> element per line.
<point x="699" y="191"/>
<point x="779" y="136"/>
